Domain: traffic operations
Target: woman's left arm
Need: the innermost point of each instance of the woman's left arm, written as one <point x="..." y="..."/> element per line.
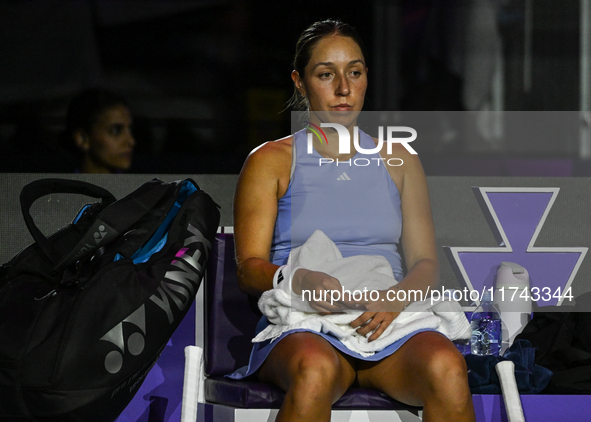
<point x="418" y="245"/>
<point x="418" y="231"/>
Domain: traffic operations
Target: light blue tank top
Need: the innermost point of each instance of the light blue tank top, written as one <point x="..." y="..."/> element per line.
<point x="355" y="203"/>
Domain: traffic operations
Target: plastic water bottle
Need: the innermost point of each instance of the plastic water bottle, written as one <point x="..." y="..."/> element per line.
<point x="486" y="328"/>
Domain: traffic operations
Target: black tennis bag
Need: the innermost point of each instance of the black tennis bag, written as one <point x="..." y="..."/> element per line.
<point x="86" y="312"/>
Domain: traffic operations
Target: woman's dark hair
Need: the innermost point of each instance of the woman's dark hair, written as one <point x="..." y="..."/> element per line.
<point x="306" y="43"/>
<point x="85" y="108"/>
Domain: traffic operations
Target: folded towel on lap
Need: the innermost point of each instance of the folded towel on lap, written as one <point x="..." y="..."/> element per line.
<point x="287" y="311"/>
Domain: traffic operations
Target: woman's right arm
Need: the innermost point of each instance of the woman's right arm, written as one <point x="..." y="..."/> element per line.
<point x="263" y="180"/>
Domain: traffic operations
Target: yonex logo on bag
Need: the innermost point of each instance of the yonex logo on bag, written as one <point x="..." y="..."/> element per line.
<point x="176" y="291"/>
<point x="135" y="342"/>
<point x="181" y="285"/>
<point x="100" y="234"/>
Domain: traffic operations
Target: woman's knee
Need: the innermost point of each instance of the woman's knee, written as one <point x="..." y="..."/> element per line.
<point x="446" y="368"/>
<point x="319" y="368"/>
<point x="311" y="365"/>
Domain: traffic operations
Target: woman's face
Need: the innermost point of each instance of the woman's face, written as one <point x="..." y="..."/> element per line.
<point x="335" y="78"/>
<point x="109" y="145"/>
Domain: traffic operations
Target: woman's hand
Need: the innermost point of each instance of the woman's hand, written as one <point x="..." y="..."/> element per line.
<point x="318" y="287"/>
<point x="380" y="314"/>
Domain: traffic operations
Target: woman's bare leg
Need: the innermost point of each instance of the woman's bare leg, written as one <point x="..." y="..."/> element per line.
<point x="311" y="372"/>
<point x="426" y="371"/>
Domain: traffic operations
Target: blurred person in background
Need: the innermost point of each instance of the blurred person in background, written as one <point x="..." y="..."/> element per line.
<point x="99" y="131"/>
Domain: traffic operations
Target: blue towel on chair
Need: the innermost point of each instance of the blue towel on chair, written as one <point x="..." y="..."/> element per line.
<point x="531" y="378"/>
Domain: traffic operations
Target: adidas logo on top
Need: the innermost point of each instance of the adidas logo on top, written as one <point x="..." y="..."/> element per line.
<point x="343" y="176"/>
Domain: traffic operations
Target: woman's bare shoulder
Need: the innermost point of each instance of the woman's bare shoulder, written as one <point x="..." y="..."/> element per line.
<point x="279" y="149"/>
<point x="270" y="160"/>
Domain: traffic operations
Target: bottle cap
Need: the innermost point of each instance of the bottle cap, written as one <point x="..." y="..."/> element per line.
<point x="510" y="274"/>
<point x="515" y="268"/>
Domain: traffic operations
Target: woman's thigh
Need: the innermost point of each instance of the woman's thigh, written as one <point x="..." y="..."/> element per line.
<point x="304" y="356"/>
<point x="426" y="363"/>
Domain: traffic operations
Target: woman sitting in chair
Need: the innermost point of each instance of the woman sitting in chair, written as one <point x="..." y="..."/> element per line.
<point x="380" y="206"/>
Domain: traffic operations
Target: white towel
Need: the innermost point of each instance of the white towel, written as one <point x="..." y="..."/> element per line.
<point x="513" y="408"/>
<point x="287" y="311"/>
